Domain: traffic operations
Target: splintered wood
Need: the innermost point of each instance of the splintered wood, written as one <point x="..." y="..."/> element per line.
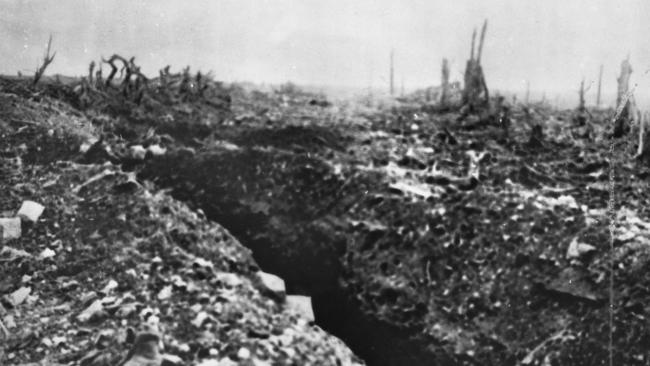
<point x="475" y="94"/>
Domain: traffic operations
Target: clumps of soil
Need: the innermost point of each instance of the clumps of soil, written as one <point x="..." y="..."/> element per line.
<point x="113" y="256"/>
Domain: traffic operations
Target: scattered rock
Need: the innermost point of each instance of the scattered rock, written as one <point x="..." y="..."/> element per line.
<point x="18" y="297"/>
<point x="145" y="351"/>
<point x="138" y="152"/>
<point x="10" y="254"/>
<point x="156" y="150"/>
<point x="110" y="286"/>
<point x="31" y="210"/>
<point x="577" y="250"/>
<point x="272" y="283"/>
<point x="171" y="360"/>
<point x="301" y="305"/>
<point x="10" y="228"/>
<point x="46" y="253"/>
<point x="243" y="353"/>
<point x="200" y="318"/>
<point x="165" y="293"/>
<point x="93" y="312"/>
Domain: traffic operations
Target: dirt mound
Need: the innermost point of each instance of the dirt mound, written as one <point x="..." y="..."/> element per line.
<point x="112" y="256"/>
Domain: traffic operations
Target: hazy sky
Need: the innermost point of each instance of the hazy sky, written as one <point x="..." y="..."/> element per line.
<point x="552" y="43"/>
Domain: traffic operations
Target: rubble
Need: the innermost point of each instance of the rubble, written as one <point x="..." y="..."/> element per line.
<point x="30" y="210"/>
<point x="301" y="305"/>
<point x="10" y="228"/>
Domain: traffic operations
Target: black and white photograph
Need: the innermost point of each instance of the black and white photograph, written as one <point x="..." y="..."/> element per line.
<point x="326" y="183"/>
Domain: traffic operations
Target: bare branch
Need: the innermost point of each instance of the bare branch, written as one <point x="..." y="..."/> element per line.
<point x="47" y="60"/>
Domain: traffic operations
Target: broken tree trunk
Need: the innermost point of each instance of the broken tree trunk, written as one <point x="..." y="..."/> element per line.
<point x="444" y="95"/>
<point x="643" y="149"/>
<point x="475" y="94"/>
<point x="581" y="105"/>
<point x="600" y="79"/>
<point x="47" y="60"/>
<point x="622" y="123"/>
<point x="623" y="80"/>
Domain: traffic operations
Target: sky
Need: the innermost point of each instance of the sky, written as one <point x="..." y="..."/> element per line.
<point x="551" y="44"/>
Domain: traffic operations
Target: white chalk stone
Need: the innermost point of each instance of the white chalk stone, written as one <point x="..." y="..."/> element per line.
<point x="273" y="283"/>
<point x="10" y="228"/>
<point x="301" y="305"/>
<point x="156" y="150"/>
<point x="31" y="210"/>
<point x="138" y="152"/>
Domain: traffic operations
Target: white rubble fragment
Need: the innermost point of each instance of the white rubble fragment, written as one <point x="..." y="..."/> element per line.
<point x="94" y="308"/>
<point x="31" y="210"/>
<point x="229" y="279"/>
<point x="18" y="297"/>
<point x="10" y="228"/>
<point x="110" y="286"/>
<point x="200" y="318"/>
<point x="86" y="145"/>
<point x="138" y="152"/>
<point x="156" y="150"/>
<point x="172" y="359"/>
<point x="576" y="249"/>
<point x="273" y="283"/>
<point x="301" y="305"/>
<point x="46" y="253"/>
<point x="243" y="353"/>
<point x="165" y="293"/>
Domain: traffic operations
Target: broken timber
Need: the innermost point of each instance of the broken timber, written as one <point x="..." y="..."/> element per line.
<point x="475" y="94"/>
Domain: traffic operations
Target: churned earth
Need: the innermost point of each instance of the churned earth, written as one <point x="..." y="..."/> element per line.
<point x="423" y="237"/>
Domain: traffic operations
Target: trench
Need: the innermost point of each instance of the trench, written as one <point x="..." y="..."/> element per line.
<point x="313" y="270"/>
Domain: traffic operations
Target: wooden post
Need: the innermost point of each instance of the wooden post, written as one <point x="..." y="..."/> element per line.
<point x="600" y="79"/>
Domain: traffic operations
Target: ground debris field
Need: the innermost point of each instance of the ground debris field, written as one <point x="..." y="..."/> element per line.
<point x="421" y="235"/>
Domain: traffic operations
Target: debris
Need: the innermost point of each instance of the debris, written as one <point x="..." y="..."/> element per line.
<point x="138" y="152"/>
<point x="110" y="286"/>
<point x="10" y="228"/>
<point x="92" y="312"/>
<point x="200" y="318"/>
<point x="243" y="353"/>
<point x="18" y="297"/>
<point x="273" y="283"/>
<point x="156" y="150"/>
<point x="165" y="293"/>
<point x="577" y="250"/>
<point x="145" y="351"/>
<point x="30" y="210"/>
<point x="561" y="336"/>
<point x="301" y="305"/>
<point x="105" y="173"/>
<point x="86" y="145"/>
<point x="171" y="360"/>
<point x="46" y="253"/>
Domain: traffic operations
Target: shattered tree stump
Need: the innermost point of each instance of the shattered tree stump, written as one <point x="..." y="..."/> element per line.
<point x="475" y="94"/>
<point x="622" y="123"/>
<point x="444" y="95"/>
